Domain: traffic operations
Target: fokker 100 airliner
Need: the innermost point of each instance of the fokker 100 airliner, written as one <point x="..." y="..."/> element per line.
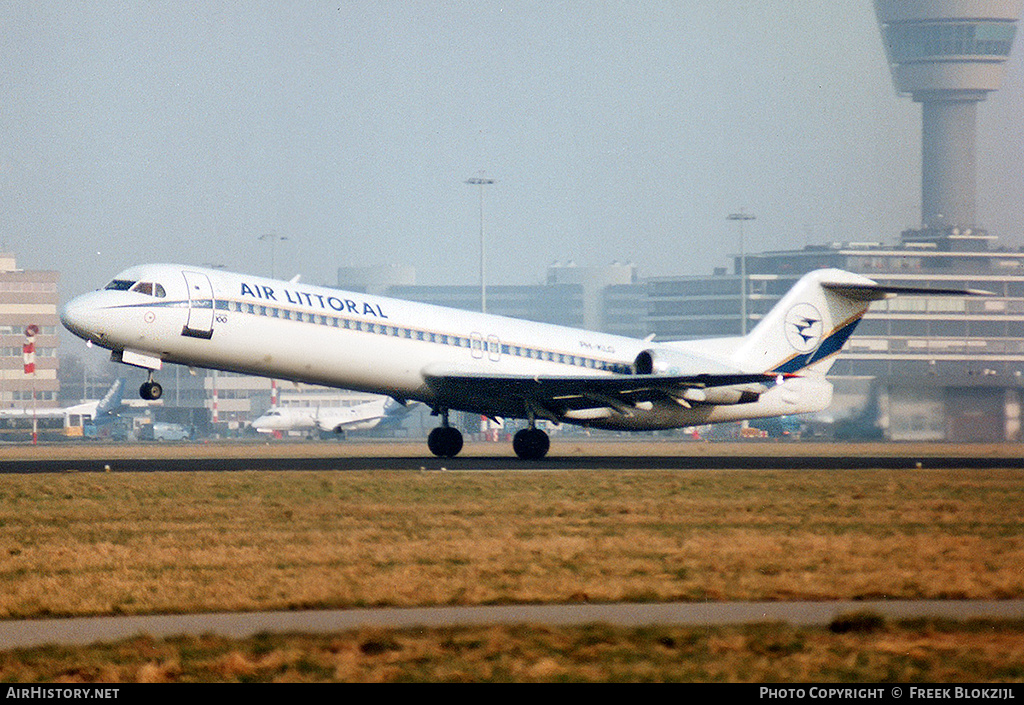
<point x="490" y="365"/>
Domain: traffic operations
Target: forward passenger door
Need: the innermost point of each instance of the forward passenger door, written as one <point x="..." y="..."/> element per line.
<point x="200" y="306"/>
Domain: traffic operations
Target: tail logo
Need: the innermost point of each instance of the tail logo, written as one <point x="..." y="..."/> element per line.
<point x="803" y="327"/>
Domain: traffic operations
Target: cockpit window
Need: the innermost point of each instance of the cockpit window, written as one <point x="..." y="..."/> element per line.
<point x="150" y="289"/>
<point x="120" y="285"/>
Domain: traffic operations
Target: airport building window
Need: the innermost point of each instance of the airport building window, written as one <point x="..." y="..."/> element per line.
<point x="910" y="42"/>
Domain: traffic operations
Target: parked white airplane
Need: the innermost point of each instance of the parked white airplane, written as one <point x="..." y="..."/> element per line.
<point x="69" y="421"/>
<point x="360" y="417"/>
<point x="95" y="410"/>
<point x="484" y="364"/>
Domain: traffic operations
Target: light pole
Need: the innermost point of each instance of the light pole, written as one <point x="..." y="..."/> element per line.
<point x="273" y="237"/>
<point x="482" y="181"/>
<point x="741" y="218"/>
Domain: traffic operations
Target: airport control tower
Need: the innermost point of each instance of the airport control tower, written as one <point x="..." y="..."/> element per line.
<point x="947" y="55"/>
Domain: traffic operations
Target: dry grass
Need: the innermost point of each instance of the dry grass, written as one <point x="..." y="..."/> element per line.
<point x="926" y="652"/>
<point x="114" y="543"/>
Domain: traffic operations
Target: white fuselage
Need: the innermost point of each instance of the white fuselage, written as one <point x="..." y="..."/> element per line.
<point x="369" y="343"/>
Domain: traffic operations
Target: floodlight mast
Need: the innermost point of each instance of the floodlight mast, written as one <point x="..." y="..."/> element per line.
<point x="742" y="218"/>
<point x="482" y="181"/>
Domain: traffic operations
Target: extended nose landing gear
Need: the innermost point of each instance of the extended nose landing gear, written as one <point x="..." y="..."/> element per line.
<point x="151" y="390"/>
<point x="445" y="441"/>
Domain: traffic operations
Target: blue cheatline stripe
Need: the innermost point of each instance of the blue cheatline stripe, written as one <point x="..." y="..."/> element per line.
<point x="158" y="304"/>
<point x="372" y="326"/>
<point x="829" y="346"/>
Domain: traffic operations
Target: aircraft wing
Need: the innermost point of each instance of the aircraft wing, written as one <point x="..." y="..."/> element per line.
<point x="47" y="413"/>
<point x="349" y="423"/>
<point x="552" y="397"/>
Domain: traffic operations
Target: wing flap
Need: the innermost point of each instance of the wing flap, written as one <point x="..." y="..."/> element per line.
<point x="520" y="395"/>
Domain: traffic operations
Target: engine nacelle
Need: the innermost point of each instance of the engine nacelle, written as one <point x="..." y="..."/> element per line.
<point x="663" y="361"/>
<point x="670" y="362"/>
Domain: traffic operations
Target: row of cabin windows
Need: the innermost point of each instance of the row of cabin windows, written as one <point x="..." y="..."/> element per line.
<point x="490" y="346"/>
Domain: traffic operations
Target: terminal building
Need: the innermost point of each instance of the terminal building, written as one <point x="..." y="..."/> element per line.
<point x="569" y="296"/>
<point x="924" y="368"/>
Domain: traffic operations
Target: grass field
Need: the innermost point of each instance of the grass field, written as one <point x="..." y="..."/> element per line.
<point x="113" y="543"/>
<point x="125" y="543"/>
<point x="922" y="652"/>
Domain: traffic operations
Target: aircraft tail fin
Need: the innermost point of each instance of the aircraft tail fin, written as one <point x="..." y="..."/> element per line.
<point x="111" y="401"/>
<point x="808" y="327"/>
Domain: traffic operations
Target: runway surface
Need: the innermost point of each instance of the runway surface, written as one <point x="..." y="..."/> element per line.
<point x="87" y="630"/>
<point x="564" y="455"/>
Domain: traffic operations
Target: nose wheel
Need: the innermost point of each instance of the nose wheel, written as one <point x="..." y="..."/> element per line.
<point x="150" y="390"/>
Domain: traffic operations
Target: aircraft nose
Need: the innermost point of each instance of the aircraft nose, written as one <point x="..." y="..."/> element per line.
<point x="80" y="316"/>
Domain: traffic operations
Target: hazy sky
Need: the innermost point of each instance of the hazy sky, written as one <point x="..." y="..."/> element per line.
<point x="183" y="131"/>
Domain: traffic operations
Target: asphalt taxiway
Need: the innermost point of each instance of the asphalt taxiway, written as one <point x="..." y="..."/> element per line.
<point x="88" y="630"/>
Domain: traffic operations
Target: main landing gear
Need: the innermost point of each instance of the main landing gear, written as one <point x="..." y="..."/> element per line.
<point x="531" y="444"/>
<point x="446" y="442"/>
<point x="151" y="390"/>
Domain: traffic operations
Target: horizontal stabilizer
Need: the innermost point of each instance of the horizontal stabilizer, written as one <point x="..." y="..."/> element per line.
<point x="877" y="292"/>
